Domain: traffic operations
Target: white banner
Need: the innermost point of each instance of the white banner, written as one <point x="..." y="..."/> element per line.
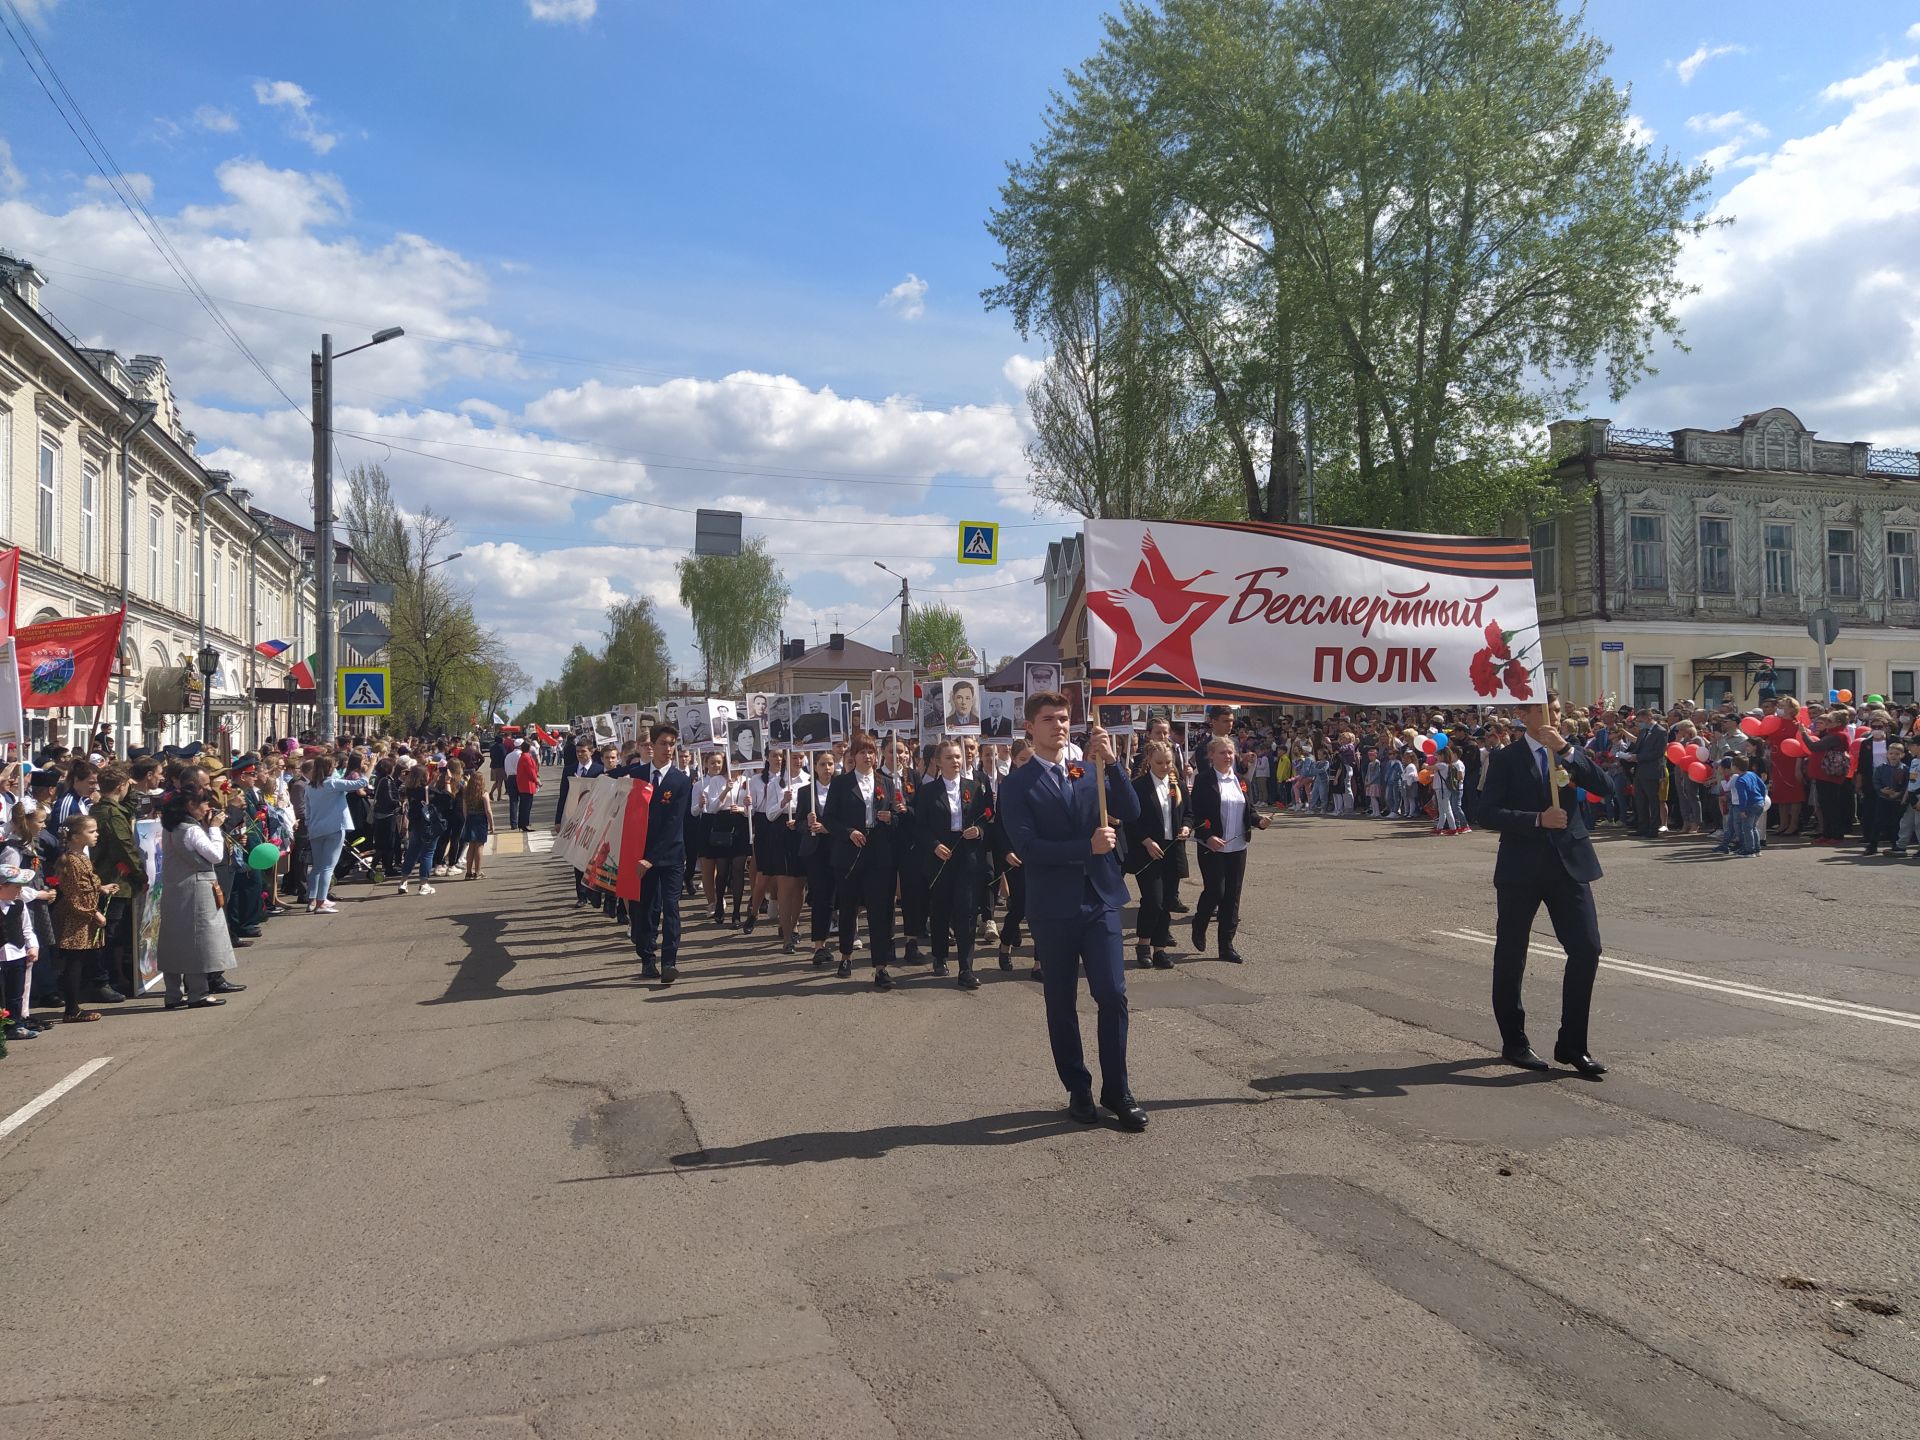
<point x="13" y="719"/>
<point x="1248" y="613"/>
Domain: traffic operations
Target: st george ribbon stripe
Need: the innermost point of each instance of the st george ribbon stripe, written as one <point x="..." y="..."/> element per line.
<point x="46" y="1097"/>
<point x="1737" y="988"/>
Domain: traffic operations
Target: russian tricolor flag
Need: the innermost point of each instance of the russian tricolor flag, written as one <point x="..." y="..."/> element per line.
<point x="271" y="648"/>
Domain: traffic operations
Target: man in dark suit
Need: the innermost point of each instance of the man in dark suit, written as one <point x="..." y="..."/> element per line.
<point x="1649" y="759"/>
<point x="655" y="917"/>
<point x="1074" y="897"/>
<point x="892" y="703"/>
<point x="861" y="810"/>
<point x="1546" y="857"/>
<point x="815" y="727"/>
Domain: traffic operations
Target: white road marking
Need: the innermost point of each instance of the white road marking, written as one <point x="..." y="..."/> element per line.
<point x="1823" y="1003"/>
<point x="538" y="843"/>
<point x="46" y="1097"/>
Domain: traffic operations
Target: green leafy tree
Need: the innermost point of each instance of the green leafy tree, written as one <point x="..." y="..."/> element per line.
<point x="736" y="602"/>
<point x="1411" y="229"/>
<point x="934" y="630"/>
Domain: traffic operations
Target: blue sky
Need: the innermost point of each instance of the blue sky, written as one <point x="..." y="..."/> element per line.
<point x="732" y="255"/>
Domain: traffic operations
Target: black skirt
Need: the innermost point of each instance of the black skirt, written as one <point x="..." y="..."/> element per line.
<point x="727" y="835"/>
<point x="770" y="845"/>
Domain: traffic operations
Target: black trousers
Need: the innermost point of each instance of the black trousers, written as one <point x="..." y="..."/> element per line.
<point x="951" y="898"/>
<point x="1647" y="817"/>
<point x="914" y="897"/>
<point x="1159" y="882"/>
<point x="1016" y="906"/>
<point x="1569" y="905"/>
<point x="655" y="916"/>
<point x="1222" y="872"/>
<point x="871" y="884"/>
<point x="1836" y="808"/>
<point x="1872" y="829"/>
<point x="819" y="872"/>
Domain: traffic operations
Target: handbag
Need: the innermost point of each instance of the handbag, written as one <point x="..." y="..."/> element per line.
<point x="219" y="897"/>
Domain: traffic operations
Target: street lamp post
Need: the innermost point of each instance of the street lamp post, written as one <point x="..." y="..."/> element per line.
<point x="323" y="517"/>
<point x="218" y="487"/>
<point x="209" y="661"/>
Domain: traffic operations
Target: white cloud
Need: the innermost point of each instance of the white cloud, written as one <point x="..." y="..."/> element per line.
<point x="563" y="12"/>
<point x="1729" y="122"/>
<point x="1884" y="76"/>
<point x="1913" y="31"/>
<point x="11" y="180"/>
<point x="1688" y="68"/>
<point x="286" y="95"/>
<point x="1808" y="299"/>
<point x="1639" y="131"/>
<point x="908" y="299"/>
<point x="1021" y="371"/>
<point x="141" y="185"/>
<point x="214" y="120"/>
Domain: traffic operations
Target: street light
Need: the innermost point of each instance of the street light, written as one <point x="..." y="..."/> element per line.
<point x="219" y="486"/>
<point x="903" y="606"/>
<point x="323" y="515"/>
<point x="208" y="661"/>
<point x="435" y="564"/>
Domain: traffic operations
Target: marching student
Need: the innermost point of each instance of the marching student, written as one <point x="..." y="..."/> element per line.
<point x="816" y="853"/>
<point x="1151" y="842"/>
<point x="949" y="816"/>
<point x="1223" y="818"/>
<point x="767" y="800"/>
<point x="654" y="919"/>
<point x="790" y="885"/>
<point x="911" y="774"/>
<point x="861" y="814"/>
<point x="1007" y="861"/>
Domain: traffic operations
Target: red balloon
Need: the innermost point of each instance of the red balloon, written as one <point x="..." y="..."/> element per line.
<point x="1429" y="745"/>
<point x="1699" y="770"/>
<point x="1751" y="725"/>
<point x="1771" y="725"/>
<point x="1792" y="747"/>
<point x="1677" y="753"/>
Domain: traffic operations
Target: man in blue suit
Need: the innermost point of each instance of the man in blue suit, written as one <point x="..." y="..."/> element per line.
<point x="1074" y="897"/>
<point x="655" y="916"/>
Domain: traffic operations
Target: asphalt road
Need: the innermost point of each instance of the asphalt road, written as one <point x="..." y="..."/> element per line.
<point x="448" y="1170"/>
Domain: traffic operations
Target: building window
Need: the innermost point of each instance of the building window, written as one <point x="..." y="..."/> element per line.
<point x="199" y="583"/>
<point x="1650" y="687"/>
<point x="1845" y="678"/>
<point x="89" y="517"/>
<point x="1900" y="687"/>
<point x="1843" y="563"/>
<point x="233" y="597"/>
<point x="1714" y="689"/>
<point x="1786" y="681"/>
<point x="1779" y="547"/>
<point x="1546" y="575"/>
<point x="1900" y="566"/>
<point x="47" y="514"/>
<point x="213" y="613"/>
<point x="1647" y="547"/>
<point x="153" y="554"/>
<point x="1716" y="555"/>
<point x="6" y="471"/>
<point x="180" y="566"/>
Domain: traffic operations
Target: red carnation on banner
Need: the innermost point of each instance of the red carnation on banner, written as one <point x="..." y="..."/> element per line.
<point x="1486" y="679"/>
<point x="1496" y="665"/>
<point x="1519" y="681"/>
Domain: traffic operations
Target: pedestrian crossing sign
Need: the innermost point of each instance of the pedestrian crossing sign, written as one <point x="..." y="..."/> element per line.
<point x="363" y="689"/>
<point x="979" y="542"/>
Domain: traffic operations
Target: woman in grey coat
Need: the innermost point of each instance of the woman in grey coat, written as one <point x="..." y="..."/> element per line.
<point x="193" y="947"/>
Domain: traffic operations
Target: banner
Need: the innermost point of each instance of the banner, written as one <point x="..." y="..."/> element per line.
<point x="1302" y="614"/>
<point x="10" y="583"/>
<point x="13" y="720"/>
<point x="67" y="662"/>
<point x="586" y="802"/>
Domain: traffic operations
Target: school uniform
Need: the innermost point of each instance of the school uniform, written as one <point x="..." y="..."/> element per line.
<point x="1221" y="810"/>
<point x="1163" y="811"/>
<point x="943" y="811"/>
<point x="815" y="853"/>
<point x="654" y="919"/>
<point x="913" y="879"/>
<point x="865" y="874"/>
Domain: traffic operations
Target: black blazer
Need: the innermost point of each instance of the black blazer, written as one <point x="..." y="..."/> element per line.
<point x="933" y="823"/>
<point x="594" y="768"/>
<point x="667" y="814"/>
<point x="1204" y="805"/>
<point x="847" y="812"/>
<point x="803" y="804"/>
<point x="1511" y="801"/>
<point x="1151" y="824"/>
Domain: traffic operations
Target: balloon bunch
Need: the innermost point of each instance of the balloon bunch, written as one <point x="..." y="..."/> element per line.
<point x="1692" y="759"/>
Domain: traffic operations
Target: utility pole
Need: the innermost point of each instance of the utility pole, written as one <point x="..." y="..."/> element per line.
<point x="323" y="538"/>
<point x="143" y="414"/>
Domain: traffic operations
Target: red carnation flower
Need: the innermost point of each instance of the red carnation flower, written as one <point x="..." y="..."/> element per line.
<point x="1486" y="681"/>
<point x="1074" y="772"/>
<point x="1519" y="683"/>
<point x="1496" y="640"/>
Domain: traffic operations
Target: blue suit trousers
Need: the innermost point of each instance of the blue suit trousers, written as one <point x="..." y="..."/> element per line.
<point x="1091" y="940"/>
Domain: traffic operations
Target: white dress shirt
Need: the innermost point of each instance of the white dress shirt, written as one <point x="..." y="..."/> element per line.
<point x="1233" y="812"/>
<point x="1163" y="787"/>
<point x="953" y="803"/>
<point x="865" y="785"/>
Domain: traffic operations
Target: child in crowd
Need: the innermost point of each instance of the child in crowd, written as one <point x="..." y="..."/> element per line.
<point x="1748" y="795"/>
<point x="1376" y="783"/>
<point x="1409" y="787"/>
<point x="1894" y="781"/>
<point x="19" y="947"/>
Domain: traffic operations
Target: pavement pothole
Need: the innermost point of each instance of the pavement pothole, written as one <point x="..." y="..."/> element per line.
<point x="638" y="1134"/>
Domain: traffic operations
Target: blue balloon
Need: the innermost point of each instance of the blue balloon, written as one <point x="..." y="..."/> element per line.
<point x="1440" y="741"/>
<point x="1833" y="697"/>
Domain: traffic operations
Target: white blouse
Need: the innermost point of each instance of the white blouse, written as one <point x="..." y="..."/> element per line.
<point x="708" y="793"/>
<point x="1233" y="812"/>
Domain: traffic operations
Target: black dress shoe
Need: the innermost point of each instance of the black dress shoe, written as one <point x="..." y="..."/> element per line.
<point x="224" y="987"/>
<point x="1126" y="1110"/>
<point x="1006" y="960"/>
<point x="649" y="970"/>
<point x="822" y="956"/>
<point x="940" y="966"/>
<point x="1142" y="956"/>
<point x="1080" y="1107"/>
<point x="968" y="980"/>
<point x="1178" y="907"/>
<point x="1199" y="935"/>
<point x="205" y="1002"/>
<point x="912" y="957"/>
<point x="1583" y="1063"/>
<point x="1525" y="1059"/>
<point x="1233" y="956"/>
<point x="882" y="980"/>
<point x="669" y="974"/>
<point x="103" y="995"/>
<point x="845" y="969"/>
<point x="1162" y="960"/>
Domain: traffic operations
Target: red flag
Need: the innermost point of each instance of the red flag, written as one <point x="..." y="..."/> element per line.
<point x="301" y="675"/>
<point x="10" y="583"/>
<point x="68" y="662"/>
<point x="544" y="737"/>
<point x="633" y="840"/>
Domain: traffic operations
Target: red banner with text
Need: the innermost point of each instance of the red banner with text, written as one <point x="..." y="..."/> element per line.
<point x="68" y="662"/>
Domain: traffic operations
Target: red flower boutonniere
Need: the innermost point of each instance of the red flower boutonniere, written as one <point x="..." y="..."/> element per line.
<point x="1205" y="825"/>
<point x="986" y="815"/>
<point x="1076" y="772"/>
<point x="664" y="796"/>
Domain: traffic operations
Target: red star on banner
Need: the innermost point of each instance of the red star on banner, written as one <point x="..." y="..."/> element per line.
<point x="1154" y="621"/>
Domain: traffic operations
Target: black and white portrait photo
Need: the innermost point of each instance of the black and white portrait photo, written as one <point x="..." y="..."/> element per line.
<point x="780" y="718"/>
<point x="744" y="744"/>
<point x="1040" y="676"/>
<point x="933" y="709"/>
<point x="813" y="726"/>
<point x="999" y="714"/>
<point x="963" y="706"/>
<point x="696" y="728"/>
<point x="893" y="707"/>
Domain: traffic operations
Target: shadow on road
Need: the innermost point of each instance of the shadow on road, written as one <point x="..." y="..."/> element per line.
<point x="1387" y="1082"/>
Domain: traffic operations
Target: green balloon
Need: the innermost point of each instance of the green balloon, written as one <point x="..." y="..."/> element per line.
<point x="1875" y="700"/>
<point x="263" y="856"/>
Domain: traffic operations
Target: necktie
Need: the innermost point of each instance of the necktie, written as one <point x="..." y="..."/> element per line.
<point x="1546" y="779"/>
